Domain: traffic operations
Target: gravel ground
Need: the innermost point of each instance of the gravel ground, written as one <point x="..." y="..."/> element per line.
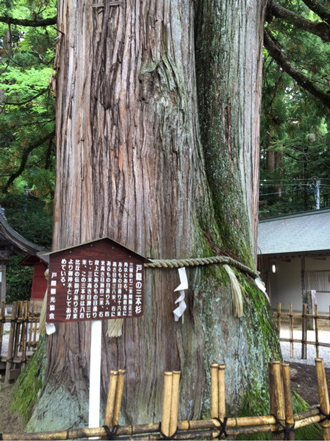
<point x="324" y="337"/>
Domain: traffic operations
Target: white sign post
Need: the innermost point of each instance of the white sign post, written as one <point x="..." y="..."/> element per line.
<point x="95" y="374"/>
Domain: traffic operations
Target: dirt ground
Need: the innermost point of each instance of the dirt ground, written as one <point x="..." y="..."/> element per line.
<point x="10" y="420"/>
<point x="303" y="381"/>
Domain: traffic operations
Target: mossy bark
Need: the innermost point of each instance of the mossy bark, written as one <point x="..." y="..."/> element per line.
<point x="139" y="161"/>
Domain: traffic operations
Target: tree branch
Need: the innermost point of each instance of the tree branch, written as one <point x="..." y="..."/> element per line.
<point x="274" y="51"/>
<point x="322" y="30"/>
<point x="314" y="5"/>
<point x="28" y="100"/>
<point x="24" y="159"/>
<point x="31" y="23"/>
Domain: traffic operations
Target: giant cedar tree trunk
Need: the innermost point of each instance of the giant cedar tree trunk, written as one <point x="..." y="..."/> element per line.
<point x="157" y="132"/>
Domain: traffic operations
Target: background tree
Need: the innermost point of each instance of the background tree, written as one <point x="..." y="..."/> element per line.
<point x="295" y="136"/>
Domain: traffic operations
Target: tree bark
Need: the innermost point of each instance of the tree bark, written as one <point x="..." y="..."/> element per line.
<point x="140" y="161"/>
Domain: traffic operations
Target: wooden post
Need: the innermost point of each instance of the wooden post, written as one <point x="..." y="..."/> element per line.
<point x="279" y="318"/>
<point x="304" y="333"/>
<point x="277" y="407"/>
<point x="174" y="402"/>
<point x="291" y="331"/>
<point x="11" y="343"/>
<point x="119" y="395"/>
<point x="25" y="316"/>
<point x="2" y="321"/>
<point x="214" y="390"/>
<point x="289" y="421"/>
<point x="316" y="331"/>
<point x="222" y="392"/>
<point x="323" y="395"/>
<point x="167" y="398"/>
<point x="110" y="405"/>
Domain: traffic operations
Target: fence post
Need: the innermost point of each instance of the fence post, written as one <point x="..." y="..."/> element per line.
<point x="304" y="333"/>
<point x="277" y="407"/>
<point x="316" y="331"/>
<point x="291" y="331"/>
<point x="289" y="421"/>
<point x="324" y="396"/>
<point x="2" y="321"/>
<point x="11" y="343"/>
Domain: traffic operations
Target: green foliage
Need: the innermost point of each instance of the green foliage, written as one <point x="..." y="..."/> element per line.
<point x="295" y="135"/>
<point x="26" y="102"/>
<point x="30" y="217"/>
<point x="18" y="280"/>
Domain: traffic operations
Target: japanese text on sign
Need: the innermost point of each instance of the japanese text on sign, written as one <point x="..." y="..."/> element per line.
<point x="93" y="289"/>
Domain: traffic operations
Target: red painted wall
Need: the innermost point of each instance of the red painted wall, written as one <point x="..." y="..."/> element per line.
<point x="39" y="283"/>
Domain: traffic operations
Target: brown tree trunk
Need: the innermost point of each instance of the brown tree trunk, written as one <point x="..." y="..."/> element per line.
<point x="140" y="161"/>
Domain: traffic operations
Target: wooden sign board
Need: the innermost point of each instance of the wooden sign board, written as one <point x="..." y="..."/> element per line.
<point x="98" y="280"/>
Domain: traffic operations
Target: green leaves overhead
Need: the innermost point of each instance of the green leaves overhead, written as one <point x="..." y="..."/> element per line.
<point x="295" y="137"/>
<point x="27" y="116"/>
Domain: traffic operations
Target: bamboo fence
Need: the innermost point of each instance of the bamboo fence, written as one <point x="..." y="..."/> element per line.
<point x="281" y="423"/>
<point x="22" y="337"/>
<point x="302" y="318"/>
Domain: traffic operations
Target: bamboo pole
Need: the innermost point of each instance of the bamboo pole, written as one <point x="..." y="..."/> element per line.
<point x="235" y="426"/>
<point x="323" y="395"/>
<point x="174" y="402"/>
<point x="277" y="396"/>
<point x="11" y="343"/>
<point x="289" y="421"/>
<point x="17" y="339"/>
<point x="304" y="333"/>
<point x="119" y="395"/>
<point x="110" y="404"/>
<point x="214" y="390"/>
<point x="316" y="331"/>
<point x="222" y="392"/>
<point x="167" y="398"/>
<point x="291" y="331"/>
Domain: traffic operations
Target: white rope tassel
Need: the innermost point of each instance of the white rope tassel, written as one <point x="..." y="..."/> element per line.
<point x="178" y="312"/>
<point x="236" y="292"/>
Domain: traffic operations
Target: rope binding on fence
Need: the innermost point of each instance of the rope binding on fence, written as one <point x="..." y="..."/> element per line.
<point x="285" y="428"/>
<point x="111" y="434"/>
<point x="223" y="425"/>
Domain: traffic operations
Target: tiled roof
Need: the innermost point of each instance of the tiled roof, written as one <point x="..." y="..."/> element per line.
<point x="10" y="238"/>
<point x="303" y="232"/>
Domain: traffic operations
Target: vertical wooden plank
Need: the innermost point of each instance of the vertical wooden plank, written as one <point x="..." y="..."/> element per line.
<point x="304" y="333"/>
<point x="323" y="395"/>
<point x="2" y="322"/>
<point x="19" y="322"/>
<point x="11" y="342"/>
<point x="279" y="318"/>
<point x="289" y="420"/>
<point x="291" y="331"/>
<point x="25" y="315"/>
<point x="316" y="327"/>
<point x="30" y="327"/>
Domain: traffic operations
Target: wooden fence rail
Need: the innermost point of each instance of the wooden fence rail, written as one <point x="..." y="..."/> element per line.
<point x="21" y="337"/>
<point x="281" y="423"/>
<point x="304" y="318"/>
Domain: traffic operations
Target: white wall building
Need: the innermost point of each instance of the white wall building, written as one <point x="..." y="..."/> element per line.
<point x="294" y="256"/>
